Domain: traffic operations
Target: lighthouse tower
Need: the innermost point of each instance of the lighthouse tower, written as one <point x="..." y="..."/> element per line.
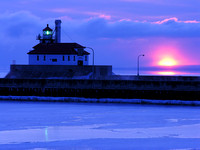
<point x="47" y="35"/>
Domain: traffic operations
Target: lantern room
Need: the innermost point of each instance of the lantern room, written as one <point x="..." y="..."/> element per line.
<point x="47" y="33"/>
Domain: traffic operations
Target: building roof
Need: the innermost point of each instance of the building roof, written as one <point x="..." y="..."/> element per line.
<point x="57" y="48"/>
<point x="47" y="28"/>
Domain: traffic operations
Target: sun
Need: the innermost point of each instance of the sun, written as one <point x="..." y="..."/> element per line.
<point x="167" y="62"/>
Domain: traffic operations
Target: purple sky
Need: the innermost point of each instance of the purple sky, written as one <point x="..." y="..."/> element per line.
<point x="118" y="30"/>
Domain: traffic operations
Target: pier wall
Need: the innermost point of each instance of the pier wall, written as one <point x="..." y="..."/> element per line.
<point x="58" y="71"/>
<point x="127" y="89"/>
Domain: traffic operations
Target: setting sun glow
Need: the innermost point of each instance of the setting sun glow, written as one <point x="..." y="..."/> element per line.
<point x="167" y="62"/>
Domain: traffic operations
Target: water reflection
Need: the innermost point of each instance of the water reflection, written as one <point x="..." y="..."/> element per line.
<point x="46" y="134"/>
<point x="166" y="73"/>
<point x="159" y="71"/>
<point x="169" y="73"/>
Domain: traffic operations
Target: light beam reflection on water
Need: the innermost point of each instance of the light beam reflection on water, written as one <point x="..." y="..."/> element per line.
<point x="46" y="134"/>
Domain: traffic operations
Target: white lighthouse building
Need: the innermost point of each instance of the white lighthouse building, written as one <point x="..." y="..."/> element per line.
<point x="50" y="50"/>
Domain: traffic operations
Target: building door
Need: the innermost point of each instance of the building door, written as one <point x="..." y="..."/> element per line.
<point x="80" y="63"/>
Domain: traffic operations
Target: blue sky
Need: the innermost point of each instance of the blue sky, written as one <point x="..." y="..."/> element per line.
<point x="118" y="30"/>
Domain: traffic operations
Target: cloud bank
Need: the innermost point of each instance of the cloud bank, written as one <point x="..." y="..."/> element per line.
<point x="24" y="23"/>
<point x="172" y="27"/>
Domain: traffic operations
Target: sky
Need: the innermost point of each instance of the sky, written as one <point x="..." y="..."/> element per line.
<point x="167" y="32"/>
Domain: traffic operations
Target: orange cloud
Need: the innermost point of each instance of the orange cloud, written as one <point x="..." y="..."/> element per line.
<point x="174" y="19"/>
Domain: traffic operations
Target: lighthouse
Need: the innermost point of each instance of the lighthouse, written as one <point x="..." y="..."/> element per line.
<point x="50" y="50"/>
<point x="53" y="59"/>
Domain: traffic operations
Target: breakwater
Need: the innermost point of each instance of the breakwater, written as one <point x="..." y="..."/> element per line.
<point x="184" y="88"/>
<point x="100" y="100"/>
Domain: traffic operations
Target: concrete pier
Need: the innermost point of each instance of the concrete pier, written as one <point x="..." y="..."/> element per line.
<point x="182" y="89"/>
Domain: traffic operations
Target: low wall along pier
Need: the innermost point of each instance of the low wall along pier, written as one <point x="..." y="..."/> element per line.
<point x="144" y="88"/>
<point x="58" y="71"/>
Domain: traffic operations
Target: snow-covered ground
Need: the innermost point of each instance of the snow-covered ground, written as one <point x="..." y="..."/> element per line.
<point x="55" y="125"/>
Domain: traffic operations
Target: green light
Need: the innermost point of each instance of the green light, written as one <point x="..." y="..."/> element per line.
<point x="48" y="32"/>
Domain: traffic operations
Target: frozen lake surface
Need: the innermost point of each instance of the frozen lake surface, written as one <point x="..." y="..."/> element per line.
<point x="45" y="125"/>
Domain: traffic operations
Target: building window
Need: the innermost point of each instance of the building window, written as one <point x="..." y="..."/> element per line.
<point x="74" y="58"/>
<point x="37" y="58"/>
<point x="68" y="58"/>
<point x="54" y="60"/>
<point x="63" y="58"/>
<point x="44" y="58"/>
<point x="85" y="58"/>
